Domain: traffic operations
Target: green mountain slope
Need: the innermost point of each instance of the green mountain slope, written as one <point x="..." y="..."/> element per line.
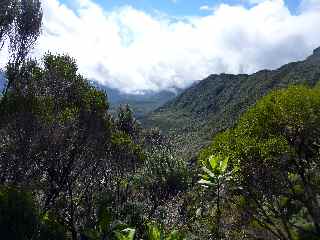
<point x="216" y="102"/>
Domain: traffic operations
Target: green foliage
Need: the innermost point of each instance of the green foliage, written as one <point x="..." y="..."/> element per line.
<point x="63" y="66"/>
<point x="19" y="218"/>
<point x="126" y="121"/>
<point x="18" y="215"/>
<point x="125" y="148"/>
<point x="51" y="229"/>
<point x="58" y="139"/>
<point x="109" y="229"/>
<point x="216" y="176"/>
<point x="105" y="214"/>
<point x="215" y="171"/>
<point x="20" y="23"/>
<point x="217" y="102"/>
<point x="125" y="234"/>
<point x="155" y="232"/>
<point x="95" y="100"/>
<point x="68" y="115"/>
<point x="274" y="148"/>
<point x="105" y="178"/>
<point x="163" y="175"/>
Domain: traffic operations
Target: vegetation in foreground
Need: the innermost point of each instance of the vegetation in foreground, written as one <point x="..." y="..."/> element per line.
<point x="69" y="170"/>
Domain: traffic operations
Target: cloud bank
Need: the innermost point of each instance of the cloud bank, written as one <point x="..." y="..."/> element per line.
<point x="132" y="50"/>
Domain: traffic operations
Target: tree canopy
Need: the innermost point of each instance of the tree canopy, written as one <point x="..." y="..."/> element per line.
<point x="275" y="150"/>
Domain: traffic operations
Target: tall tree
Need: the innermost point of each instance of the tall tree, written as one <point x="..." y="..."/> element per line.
<point x="275" y="147"/>
<point x="7" y="15"/>
<point x="126" y="121"/>
<point x="20" y="24"/>
<point x="58" y="139"/>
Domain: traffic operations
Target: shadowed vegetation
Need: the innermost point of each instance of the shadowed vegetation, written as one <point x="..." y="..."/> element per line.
<point x="232" y="157"/>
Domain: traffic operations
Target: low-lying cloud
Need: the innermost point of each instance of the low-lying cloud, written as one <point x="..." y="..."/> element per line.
<point x="132" y="50"/>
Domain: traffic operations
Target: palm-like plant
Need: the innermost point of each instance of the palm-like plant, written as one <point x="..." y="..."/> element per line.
<point x="215" y="175"/>
<point x="156" y="233"/>
<point x="125" y="234"/>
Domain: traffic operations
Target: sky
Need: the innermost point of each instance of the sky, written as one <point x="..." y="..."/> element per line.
<point x="180" y="8"/>
<point x="153" y="45"/>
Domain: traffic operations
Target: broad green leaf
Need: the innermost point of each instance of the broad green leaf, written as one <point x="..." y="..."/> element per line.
<point x="125" y="234"/>
<point x="206" y="182"/>
<point x="208" y="172"/>
<point x="213" y="160"/>
<point x="224" y="164"/>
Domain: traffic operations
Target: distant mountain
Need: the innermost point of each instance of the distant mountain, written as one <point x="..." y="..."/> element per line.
<point x="216" y="102"/>
<point x="141" y="104"/>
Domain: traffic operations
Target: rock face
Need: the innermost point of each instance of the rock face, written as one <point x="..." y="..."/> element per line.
<point x="216" y="102"/>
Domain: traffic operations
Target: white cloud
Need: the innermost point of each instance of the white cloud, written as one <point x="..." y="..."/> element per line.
<point x="310" y="5"/>
<point x="256" y="1"/>
<point x="206" y="8"/>
<point x="132" y="50"/>
<point x="4" y="56"/>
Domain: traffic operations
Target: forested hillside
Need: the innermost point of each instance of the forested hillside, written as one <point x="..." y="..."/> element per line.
<point x="217" y="102"/>
<point x="72" y="169"/>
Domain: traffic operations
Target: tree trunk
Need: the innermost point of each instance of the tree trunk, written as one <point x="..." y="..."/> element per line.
<point x="74" y="234"/>
<point x="218" y="212"/>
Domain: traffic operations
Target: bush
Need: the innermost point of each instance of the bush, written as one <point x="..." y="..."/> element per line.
<point x="18" y="215"/>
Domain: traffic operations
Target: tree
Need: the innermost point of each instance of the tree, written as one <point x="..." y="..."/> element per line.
<point x="155" y="232"/>
<point x="25" y="30"/>
<point x="57" y="138"/>
<point x="18" y="215"/>
<point x="275" y="148"/>
<point x="7" y="15"/>
<point x="163" y="175"/>
<point x="216" y="176"/>
<point x="20" y="23"/>
<point x="20" y="218"/>
<point x="126" y="121"/>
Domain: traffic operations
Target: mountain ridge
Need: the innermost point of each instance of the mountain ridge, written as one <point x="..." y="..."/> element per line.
<point x="216" y="102"/>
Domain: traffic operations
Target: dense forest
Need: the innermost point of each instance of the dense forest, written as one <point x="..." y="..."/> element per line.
<point x="71" y="168"/>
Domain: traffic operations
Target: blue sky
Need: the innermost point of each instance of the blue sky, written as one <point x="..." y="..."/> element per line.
<point x="180" y="7"/>
<point x="158" y="44"/>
